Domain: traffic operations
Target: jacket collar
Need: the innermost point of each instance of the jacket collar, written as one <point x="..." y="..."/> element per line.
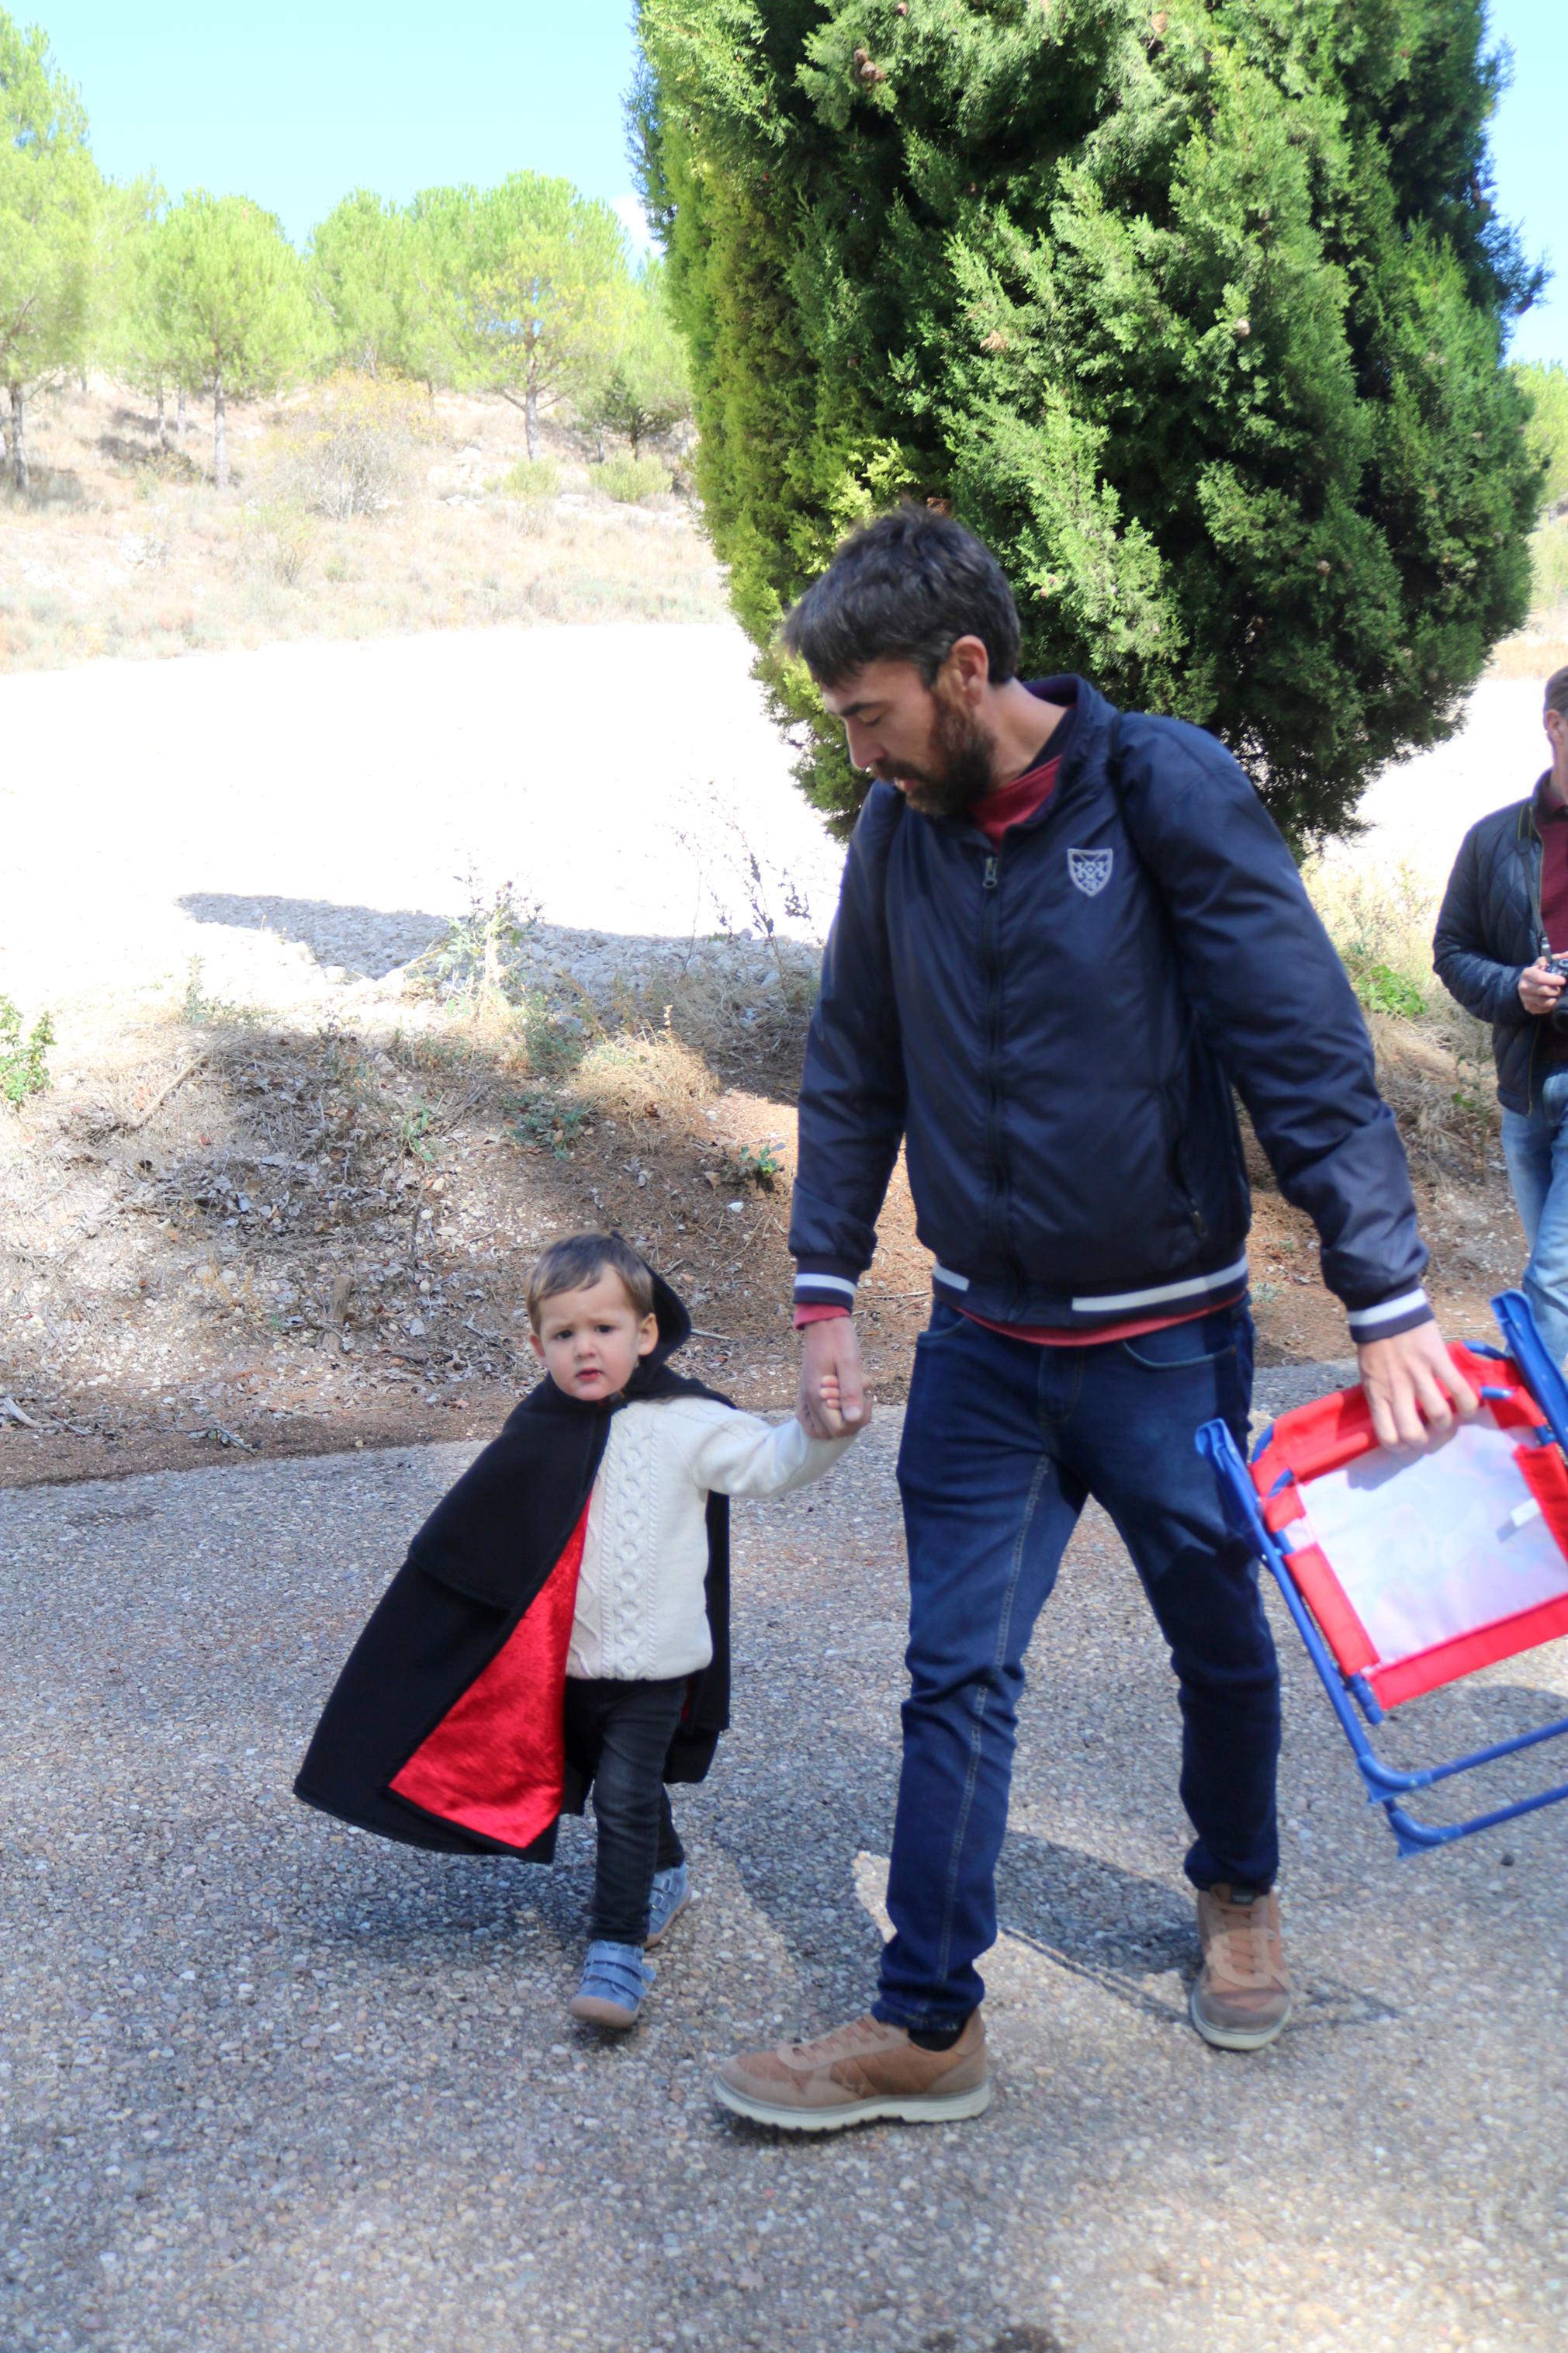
<point x="1540" y="804"/>
<point x="1085" y="754"/>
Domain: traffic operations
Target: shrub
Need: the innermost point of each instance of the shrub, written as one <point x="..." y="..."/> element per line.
<point x="281" y="542"/>
<point x="630" y="479"/>
<point x="477" y="962"/>
<point x="353" y="451"/>
<point x="24" y="1069"/>
<point x="530" y="478"/>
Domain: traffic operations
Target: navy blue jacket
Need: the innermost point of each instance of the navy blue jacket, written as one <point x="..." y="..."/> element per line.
<point x="1489" y="929"/>
<point x="1053" y="1029"/>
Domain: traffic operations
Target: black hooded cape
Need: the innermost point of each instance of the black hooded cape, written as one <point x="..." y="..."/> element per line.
<point x="445" y="1729"/>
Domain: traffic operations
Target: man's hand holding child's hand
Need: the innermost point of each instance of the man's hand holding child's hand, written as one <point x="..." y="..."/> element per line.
<point x="832" y="1401"/>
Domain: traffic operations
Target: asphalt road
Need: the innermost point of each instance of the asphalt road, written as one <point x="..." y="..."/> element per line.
<point x="270" y="2084"/>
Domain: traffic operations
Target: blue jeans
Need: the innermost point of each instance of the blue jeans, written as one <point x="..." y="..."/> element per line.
<point x="1003" y="1442"/>
<point x="1535" y="1145"/>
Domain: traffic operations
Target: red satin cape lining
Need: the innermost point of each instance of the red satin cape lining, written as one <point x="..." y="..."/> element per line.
<point x="496" y="1762"/>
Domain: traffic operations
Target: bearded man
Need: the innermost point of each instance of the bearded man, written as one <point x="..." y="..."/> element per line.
<point x="1065" y="935"/>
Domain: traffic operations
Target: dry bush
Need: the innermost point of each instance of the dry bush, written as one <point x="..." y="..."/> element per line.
<point x="1537" y="651"/>
<point x="352" y="451"/>
<point x="1434" y="1059"/>
<point x="650" y="1073"/>
<point x="1381" y="919"/>
<point x="279" y="542"/>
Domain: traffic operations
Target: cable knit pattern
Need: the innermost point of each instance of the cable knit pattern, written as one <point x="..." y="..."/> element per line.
<point x="640" y="1612"/>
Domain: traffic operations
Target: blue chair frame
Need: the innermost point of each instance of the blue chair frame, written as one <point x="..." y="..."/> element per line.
<point x="1385" y="1786"/>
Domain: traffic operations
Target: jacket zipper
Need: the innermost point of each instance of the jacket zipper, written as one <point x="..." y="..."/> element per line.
<point x="990" y="885"/>
<point x="1535" y="851"/>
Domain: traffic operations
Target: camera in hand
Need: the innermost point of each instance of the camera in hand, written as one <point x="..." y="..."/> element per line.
<point x="1558" y="1017"/>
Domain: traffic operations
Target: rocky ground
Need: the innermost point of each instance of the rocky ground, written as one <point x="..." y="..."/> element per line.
<point x="270" y="2084"/>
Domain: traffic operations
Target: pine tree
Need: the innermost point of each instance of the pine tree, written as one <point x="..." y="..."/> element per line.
<point x="227" y="304"/>
<point x="376" y="281"/>
<point x="48" y="199"/>
<point x="535" y="282"/>
<point x="644" y="392"/>
<point x="1193" y="310"/>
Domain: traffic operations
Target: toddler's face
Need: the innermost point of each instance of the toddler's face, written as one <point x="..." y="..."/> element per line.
<point x="590" y="1340"/>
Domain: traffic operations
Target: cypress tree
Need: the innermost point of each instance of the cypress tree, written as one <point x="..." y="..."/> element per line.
<point x="1195" y="309"/>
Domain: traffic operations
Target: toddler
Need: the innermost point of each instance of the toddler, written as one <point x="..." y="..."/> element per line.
<point x="563" y="1619"/>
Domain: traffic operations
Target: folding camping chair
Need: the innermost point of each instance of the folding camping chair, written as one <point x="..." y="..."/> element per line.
<point x="1405" y="1570"/>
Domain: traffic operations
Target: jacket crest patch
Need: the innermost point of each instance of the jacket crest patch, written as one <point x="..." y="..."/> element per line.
<point x="1090" y="870"/>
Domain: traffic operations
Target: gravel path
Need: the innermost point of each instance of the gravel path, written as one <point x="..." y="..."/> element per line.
<point x="271" y="2083"/>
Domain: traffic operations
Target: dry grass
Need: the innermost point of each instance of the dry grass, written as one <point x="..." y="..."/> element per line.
<point x="1434" y="1059"/>
<point x="121" y="548"/>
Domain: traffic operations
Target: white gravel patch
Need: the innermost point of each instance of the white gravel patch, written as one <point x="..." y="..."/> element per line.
<point x="308" y="815"/>
<point x="1419" y="810"/>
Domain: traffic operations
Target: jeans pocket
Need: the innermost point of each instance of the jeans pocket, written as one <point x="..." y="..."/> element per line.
<point x="944" y="1320"/>
<point x="1177" y="1348"/>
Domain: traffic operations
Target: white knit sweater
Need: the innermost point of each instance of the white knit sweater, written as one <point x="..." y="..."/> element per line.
<point x="640" y="1614"/>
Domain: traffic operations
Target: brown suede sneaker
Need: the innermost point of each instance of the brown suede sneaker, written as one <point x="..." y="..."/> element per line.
<point x="1242" y="1998"/>
<point x="855" y="2075"/>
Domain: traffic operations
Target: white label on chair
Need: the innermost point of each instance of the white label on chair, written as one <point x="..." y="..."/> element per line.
<point x="1432" y="1544"/>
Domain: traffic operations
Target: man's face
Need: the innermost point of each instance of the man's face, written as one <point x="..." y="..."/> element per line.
<point x="926" y="740"/>
<point x="1557" y="736"/>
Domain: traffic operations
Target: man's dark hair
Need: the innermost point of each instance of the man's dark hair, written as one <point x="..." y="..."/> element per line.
<point x="1557" y="693"/>
<point x="578" y="1259"/>
<point x="905" y="588"/>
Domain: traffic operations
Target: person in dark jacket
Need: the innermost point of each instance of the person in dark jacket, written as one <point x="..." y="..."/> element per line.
<point x="1504" y="918"/>
<point x="1064" y="936"/>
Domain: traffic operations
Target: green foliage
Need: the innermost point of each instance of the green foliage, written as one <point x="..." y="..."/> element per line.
<point x="757" y="1165"/>
<point x="227" y="303"/>
<point x="540" y="1121"/>
<point x="1382" y="990"/>
<point x="48" y="199"/>
<point x="476" y="963"/>
<point x="630" y="479"/>
<point x="200" y="1011"/>
<point x="530" y="478"/>
<point x="1548" y="555"/>
<point x="125" y="212"/>
<point x="371" y="272"/>
<point x="1545" y="385"/>
<point x="1196" y="314"/>
<point x="24" y="1061"/>
<point x="646" y="391"/>
<point x="533" y="281"/>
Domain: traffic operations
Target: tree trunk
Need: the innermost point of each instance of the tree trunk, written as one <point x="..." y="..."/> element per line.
<point x="19" y="473"/>
<point x="220" y="436"/>
<point x="530" y="421"/>
<point x="636" y="439"/>
<point x="180" y="418"/>
<point x="163" y="424"/>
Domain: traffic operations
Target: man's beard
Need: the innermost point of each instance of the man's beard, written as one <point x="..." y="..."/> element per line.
<point x="964" y="774"/>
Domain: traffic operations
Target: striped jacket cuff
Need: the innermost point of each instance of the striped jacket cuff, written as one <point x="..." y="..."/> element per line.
<point x="1389" y="1317"/>
<point x="825" y="1286"/>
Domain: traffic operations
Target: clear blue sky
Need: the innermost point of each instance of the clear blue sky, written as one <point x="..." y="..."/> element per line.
<point x="294" y="104"/>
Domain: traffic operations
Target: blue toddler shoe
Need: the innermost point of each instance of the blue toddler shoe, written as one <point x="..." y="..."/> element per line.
<point x="671" y="1894"/>
<point x="615" y="1980"/>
